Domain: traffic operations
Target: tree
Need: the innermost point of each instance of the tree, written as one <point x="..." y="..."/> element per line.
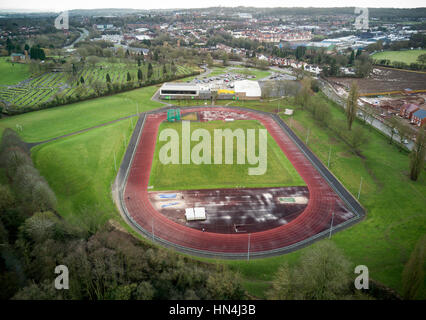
<point x="414" y="271"/>
<point x="358" y="53"/>
<point x="81" y="80"/>
<point x="363" y="65"/>
<point x="405" y="132"/>
<point x="303" y="97"/>
<point x="209" y="60"/>
<point x="37" y="53"/>
<point x="352" y="104"/>
<point x="267" y="90"/>
<point x="417" y="156"/>
<point x="129" y="78"/>
<point x="93" y="60"/>
<point x="392" y="125"/>
<point x="322" y="274"/>
<point x="108" y="78"/>
<point x="356" y="138"/>
<point x="140" y="76"/>
<point x="150" y="71"/>
<point x="352" y="58"/>
<point x="422" y="58"/>
<point x="281" y="284"/>
<point x="98" y="87"/>
<point x="300" y="52"/>
<point x="225" y="58"/>
<point x="174" y="68"/>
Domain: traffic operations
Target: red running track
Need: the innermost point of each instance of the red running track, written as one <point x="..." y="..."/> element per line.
<point x="314" y="219"/>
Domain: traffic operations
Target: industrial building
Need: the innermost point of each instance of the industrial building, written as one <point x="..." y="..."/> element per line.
<point x="242" y="90"/>
<point x="174" y="90"/>
<point x="247" y="90"/>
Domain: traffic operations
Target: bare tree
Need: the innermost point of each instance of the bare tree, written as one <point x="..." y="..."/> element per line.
<point x="414" y="271"/>
<point x="418" y="154"/>
<point x="392" y="124"/>
<point x="405" y="132"/>
<point x="352" y="104"/>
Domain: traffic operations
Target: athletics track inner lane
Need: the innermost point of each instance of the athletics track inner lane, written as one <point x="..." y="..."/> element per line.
<point x="314" y="219"/>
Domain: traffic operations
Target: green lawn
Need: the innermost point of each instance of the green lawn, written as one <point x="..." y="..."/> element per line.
<point x="396" y="215"/>
<point x="80" y="169"/>
<point x="407" y="56"/>
<point x="280" y="172"/>
<point x="49" y="123"/>
<point x="12" y="73"/>
<point x="259" y="74"/>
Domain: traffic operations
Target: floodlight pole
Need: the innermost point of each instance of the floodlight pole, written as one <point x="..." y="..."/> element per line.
<point x="248" y="247"/>
<point x="307" y="136"/>
<point x="115" y="162"/>
<point x="329" y="155"/>
<point x="331" y="226"/>
<point x="360" y="186"/>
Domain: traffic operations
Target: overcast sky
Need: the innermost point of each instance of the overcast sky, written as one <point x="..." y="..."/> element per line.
<point x="59" y="5"/>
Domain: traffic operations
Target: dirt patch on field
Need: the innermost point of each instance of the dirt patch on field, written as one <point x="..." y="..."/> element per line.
<point x="384" y="80"/>
<point x="234" y="210"/>
<point x="210" y="115"/>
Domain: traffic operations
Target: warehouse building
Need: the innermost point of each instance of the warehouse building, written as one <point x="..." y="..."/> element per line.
<point x="175" y="90"/>
<point x="247" y="90"/>
<point x="243" y="90"/>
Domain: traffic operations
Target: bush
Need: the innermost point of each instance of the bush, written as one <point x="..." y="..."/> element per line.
<point x="13" y="159"/>
<point x="323" y="273"/>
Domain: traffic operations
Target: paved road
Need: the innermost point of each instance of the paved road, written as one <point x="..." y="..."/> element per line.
<point x="33" y="144"/>
<point x="83" y="35"/>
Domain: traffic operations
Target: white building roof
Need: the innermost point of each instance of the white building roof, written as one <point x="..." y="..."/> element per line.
<point x="180" y="86"/>
<point x="251" y="88"/>
<point x="198" y="213"/>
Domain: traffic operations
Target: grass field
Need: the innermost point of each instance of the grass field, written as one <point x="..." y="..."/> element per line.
<point x="42" y="88"/>
<point x="12" y="73"/>
<point x="279" y="173"/>
<point x="80" y="169"/>
<point x="259" y="74"/>
<point x="396" y="217"/>
<point x="50" y="123"/>
<point x="407" y="56"/>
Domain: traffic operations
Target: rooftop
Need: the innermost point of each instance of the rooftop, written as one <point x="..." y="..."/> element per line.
<point x="420" y="114"/>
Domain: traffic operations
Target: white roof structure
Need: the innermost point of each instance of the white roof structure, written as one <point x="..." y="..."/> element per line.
<point x="198" y="213"/>
<point x="180" y="88"/>
<point x="249" y="87"/>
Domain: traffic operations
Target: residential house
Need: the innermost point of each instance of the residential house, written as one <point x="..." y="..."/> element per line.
<point x="407" y="110"/>
<point x="419" y="117"/>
